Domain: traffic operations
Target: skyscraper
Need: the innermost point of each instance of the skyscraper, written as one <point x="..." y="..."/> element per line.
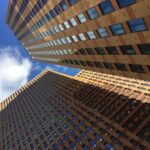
<point x="108" y="36"/>
<point x="88" y="111"/>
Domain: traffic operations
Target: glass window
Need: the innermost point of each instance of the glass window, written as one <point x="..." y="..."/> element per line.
<point x="109" y="146"/>
<point x="90" y="51"/>
<point x="91" y="35"/>
<point x="117" y="29"/>
<point x="92" y="142"/>
<point x="52" y="14"/>
<point x="102" y="32"/>
<point x="127" y="50"/>
<point x="82" y="18"/>
<point x="98" y="64"/>
<point x="137" y="25"/>
<point x="136" y="68"/>
<point x="73" y="22"/>
<point x="66" y="25"/>
<point x="57" y="10"/>
<point x="82" y="37"/>
<point x="74" y="38"/>
<point x="82" y="51"/>
<point x="68" y="39"/>
<point x="108" y="65"/>
<point x="121" y="67"/>
<point x="63" y="5"/>
<point x="100" y="51"/>
<point x="78" y="140"/>
<point x="92" y="13"/>
<point x="106" y="7"/>
<point x="144" y="48"/>
<point x="55" y="147"/>
<point x="98" y="137"/>
<point x="61" y="27"/>
<point x="125" y="3"/>
<point x="112" y="50"/>
<point x="72" y="2"/>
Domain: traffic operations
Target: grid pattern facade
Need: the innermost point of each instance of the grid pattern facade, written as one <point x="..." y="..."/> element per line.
<point x="56" y="111"/>
<point x="108" y="36"/>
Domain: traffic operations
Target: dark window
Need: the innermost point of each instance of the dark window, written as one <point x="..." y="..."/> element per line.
<point x="92" y="13"/>
<point x="89" y="63"/>
<point x="63" y="5"/>
<point x="57" y="10"/>
<point x="90" y="51"/>
<point x="45" y="144"/>
<point x="117" y="29"/>
<point x="82" y="51"/>
<point x="112" y="50"/>
<point x="109" y="146"/>
<point x="82" y="63"/>
<point x="106" y="7"/>
<point x="100" y="51"/>
<point x="72" y="2"/>
<point x="127" y="50"/>
<point x="148" y="67"/>
<point x="125" y="3"/>
<point x="121" y="67"/>
<point x="144" y="48"/>
<point x="136" y="68"/>
<point x="48" y="17"/>
<point x="137" y="25"/>
<point x="52" y="14"/>
<point x="44" y="1"/>
<point x="97" y="64"/>
<point x="108" y="65"/>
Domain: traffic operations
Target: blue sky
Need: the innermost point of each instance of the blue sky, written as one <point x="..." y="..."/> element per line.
<point x="16" y="66"/>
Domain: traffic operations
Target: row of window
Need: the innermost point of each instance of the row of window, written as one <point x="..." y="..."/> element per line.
<point x="125" y="50"/>
<point x="37" y="7"/>
<point x="105" y="7"/>
<point x="44" y="19"/>
<point x="20" y="12"/>
<point x="117" y="29"/>
<point x="107" y="65"/>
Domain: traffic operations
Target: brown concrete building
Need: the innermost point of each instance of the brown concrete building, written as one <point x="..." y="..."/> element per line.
<point x="88" y="111"/>
<point x="108" y="36"/>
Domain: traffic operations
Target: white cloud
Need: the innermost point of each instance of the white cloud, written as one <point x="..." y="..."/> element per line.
<point x="14" y="71"/>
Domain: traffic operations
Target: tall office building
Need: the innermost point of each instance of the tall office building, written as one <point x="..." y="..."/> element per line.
<point x="108" y="36"/>
<point x="87" y="111"/>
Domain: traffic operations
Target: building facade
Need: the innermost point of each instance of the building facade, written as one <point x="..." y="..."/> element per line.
<point x="108" y="36"/>
<point x="87" y="111"/>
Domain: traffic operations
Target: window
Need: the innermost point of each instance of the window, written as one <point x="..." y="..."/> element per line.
<point x="125" y="3"/>
<point x="61" y="27"/>
<point x="82" y="18"/>
<point x="127" y="50"/>
<point x="73" y="22"/>
<point x="90" y="51"/>
<point x="57" y="10"/>
<point x="98" y="137"/>
<point x="91" y="35"/>
<point x="144" y="48"/>
<point x="92" y="13"/>
<point x="68" y="39"/>
<point x="72" y="2"/>
<point x="93" y="143"/>
<point x="97" y="64"/>
<point x="52" y="14"/>
<point x="78" y="140"/>
<point x="109" y="146"/>
<point x="74" y="38"/>
<point x="82" y="51"/>
<point x="121" y="67"/>
<point x="100" y="51"/>
<point x="82" y="37"/>
<point x="137" y="25"/>
<point x="108" y="65"/>
<point x="63" y="5"/>
<point x="102" y="32"/>
<point x="136" y="68"/>
<point x="106" y="7"/>
<point x="66" y="25"/>
<point x="117" y="29"/>
<point x="112" y="50"/>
